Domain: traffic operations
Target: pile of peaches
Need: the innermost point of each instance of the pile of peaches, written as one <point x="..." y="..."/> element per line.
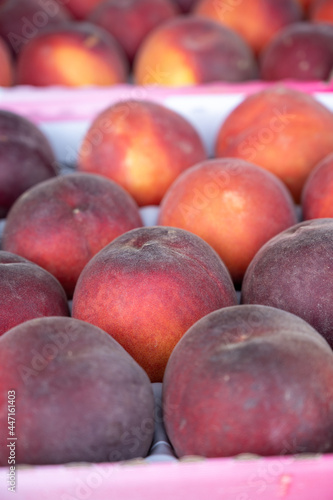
<point x="164" y="42"/>
<point x="227" y="299"/>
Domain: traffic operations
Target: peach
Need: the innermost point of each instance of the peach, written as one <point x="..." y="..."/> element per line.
<point x="185" y="6"/>
<point x="81" y="9"/>
<point x="306" y="5"/>
<point x="255" y="20"/>
<point x="21" y="20"/>
<point x="282" y="130"/>
<point x="257" y="380"/>
<point x="73" y="54"/>
<point x="294" y="272"/>
<point x="6" y="66"/>
<point x="317" y="193"/>
<point x="27" y="291"/>
<point x="322" y="10"/>
<point x="61" y="223"/>
<point x="131" y="21"/>
<point x="189" y="50"/>
<point x="147" y="287"/>
<point x="26" y="158"/>
<point x="301" y="51"/>
<point x="141" y="145"/>
<point x="78" y="396"/>
<point x="233" y="205"/>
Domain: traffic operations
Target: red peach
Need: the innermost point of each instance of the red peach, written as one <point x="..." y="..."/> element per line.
<point x="249" y="379"/>
<point x="61" y="223"/>
<point x="322" y="10"/>
<point x="81" y="9"/>
<point x="143" y="146"/>
<point x="6" y="66"/>
<point x="73" y="54"/>
<point x="233" y="205"/>
<point x="21" y="20"/>
<point x="189" y="50"/>
<point x="280" y="129"/>
<point x="317" y="193"/>
<point x="78" y="396"/>
<point x="147" y="287"/>
<point x="257" y="21"/>
<point x="130" y="21"/>
<point x="27" y="291"/>
<point x="26" y="158"/>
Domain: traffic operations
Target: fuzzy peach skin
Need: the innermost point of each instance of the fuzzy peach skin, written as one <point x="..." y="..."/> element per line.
<point x="301" y="51"/>
<point x="26" y="158"/>
<point x="233" y="205"/>
<point x="255" y="20"/>
<point x="60" y="224"/>
<point x="294" y="272"/>
<point x="81" y="9"/>
<point x="79" y="397"/>
<point x="6" y="66"/>
<point x="257" y="380"/>
<point x="322" y="10"/>
<point x="317" y="193"/>
<point x="27" y="291"/>
<point x="282" y="130"/>
<point x="141" y="145"/>
<point x="189" y="50"/>
<point x="21" y="20"/>
<point x="147" y="287"/>
<point x="130" y="21"/>
<point x="73" y="54"/>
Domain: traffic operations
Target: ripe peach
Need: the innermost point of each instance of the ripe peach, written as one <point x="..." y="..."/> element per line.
<point x="306" y="5"/>
<point x="73" y="54"/>
<point x="301" y="51"/>
<point x="27" y="291"/>
<point x="249" y="379"/>
<point x="294" y="272"/>
<point x="81" y="9"/>
<point x="188" y="50"/>
<point x="6" y="66"/>
<point x="138" y="16"/>
<point x="147" y="287"/>
<point x="317" y="193"/>
<point x="282" y="130"/>
<point x="141" y="145"/>
<point x="61" y="223"/>
<point x="255" y="20"/>
<point x="21" y="20"/>
<point x="26" y="158"/>
<point x="322" y="10"/>
<point x="233" y="205"/>
<point x="79" y="397"/>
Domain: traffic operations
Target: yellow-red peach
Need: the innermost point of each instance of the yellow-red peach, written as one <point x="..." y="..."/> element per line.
<point x="72" y="54"/>
<point x="147" y="287"/>
<point x="249" y="379"/>
<point x="255" y="20"/>
<point x="283" y="130"/>
<point x="61" y="223"/>
<point x="77" y="395"/>
<point x="317" y="194"/>
<point x="141" y="145"/>
<point x="232" y="204"/>
<point x="27" y="291"/>
<point x="131" y="21"/>
<point x="189" y="50"/>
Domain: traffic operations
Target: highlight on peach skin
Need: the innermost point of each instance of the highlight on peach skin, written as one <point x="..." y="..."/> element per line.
<point x="234" y="205"/>
<point x="189" y="50"/>
<point x="141" y="145"/>
<point x="147" y="287"/>
<point x="60" y="224"/>
<point x="283" y="130"/>
<point x="73" y="54"/>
